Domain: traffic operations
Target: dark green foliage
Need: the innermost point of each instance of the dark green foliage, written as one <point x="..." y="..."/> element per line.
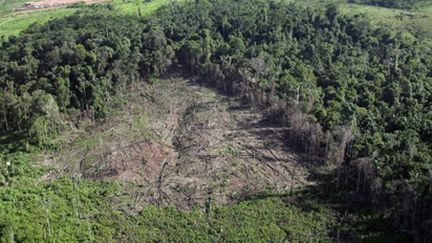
<point x="340" y="69"/>
<point x="75" y="63"/>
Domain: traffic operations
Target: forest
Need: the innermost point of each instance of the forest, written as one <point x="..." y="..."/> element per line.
<point x="354" y="96"/>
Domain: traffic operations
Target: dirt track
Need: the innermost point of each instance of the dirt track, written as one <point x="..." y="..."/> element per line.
<point x="197" y="146"/>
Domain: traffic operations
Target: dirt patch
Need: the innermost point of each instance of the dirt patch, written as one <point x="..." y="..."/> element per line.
<point x="193" y="146"/>
<point x="48" y="4"/>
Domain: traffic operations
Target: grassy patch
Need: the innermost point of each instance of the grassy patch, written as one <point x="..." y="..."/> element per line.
<point x="6" y="6"/>
<point x="231" y="151"/>
<point x="417" y="21"/>
<point x="131" y="6"/>
<point x="13" y="24"/>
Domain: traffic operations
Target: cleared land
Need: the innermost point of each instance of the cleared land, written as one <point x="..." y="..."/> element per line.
<point x="181" y="144"/>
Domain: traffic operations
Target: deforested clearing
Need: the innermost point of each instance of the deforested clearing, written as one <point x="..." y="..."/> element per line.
<point x="181" y="143"/>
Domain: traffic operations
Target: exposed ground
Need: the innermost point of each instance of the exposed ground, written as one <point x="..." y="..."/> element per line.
<point x="181" y="144"/>
<point x="46" y="4"/>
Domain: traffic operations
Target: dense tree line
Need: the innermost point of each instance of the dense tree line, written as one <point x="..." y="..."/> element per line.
<point x="77" y="63"/>
<point x="356" y="95"/>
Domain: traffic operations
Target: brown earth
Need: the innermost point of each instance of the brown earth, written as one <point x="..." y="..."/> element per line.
<point x="181" y="144"/>
<point x="48" y="4"/>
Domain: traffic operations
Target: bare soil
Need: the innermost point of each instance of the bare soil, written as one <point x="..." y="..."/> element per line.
<point x="181" y="144"/>
<point x="49" y="4"/>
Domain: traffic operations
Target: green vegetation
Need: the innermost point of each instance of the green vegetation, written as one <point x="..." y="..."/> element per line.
<point x="34" y="210"/>
<point x="8" y="5"/>
<point x="417" y="22"/>
<point x="146" y="7"/>
<point x="354" y="96"/>
<point x="12" y="24"/>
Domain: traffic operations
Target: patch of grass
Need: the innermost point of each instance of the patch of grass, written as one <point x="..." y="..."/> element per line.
<point x="6" y="6"/>
<point x="140" y="127"/>
<point x="13" y="24"/>
<point x="417" y="21"/>
<point x="131" y="6"/>
<point x="153" y="80"/>
<point x="232" y="151"/>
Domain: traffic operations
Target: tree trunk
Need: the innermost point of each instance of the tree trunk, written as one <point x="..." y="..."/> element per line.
<point x="6" y="122"/>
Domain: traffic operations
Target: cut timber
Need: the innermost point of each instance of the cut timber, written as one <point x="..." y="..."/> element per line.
<point x="187" y="143"/>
